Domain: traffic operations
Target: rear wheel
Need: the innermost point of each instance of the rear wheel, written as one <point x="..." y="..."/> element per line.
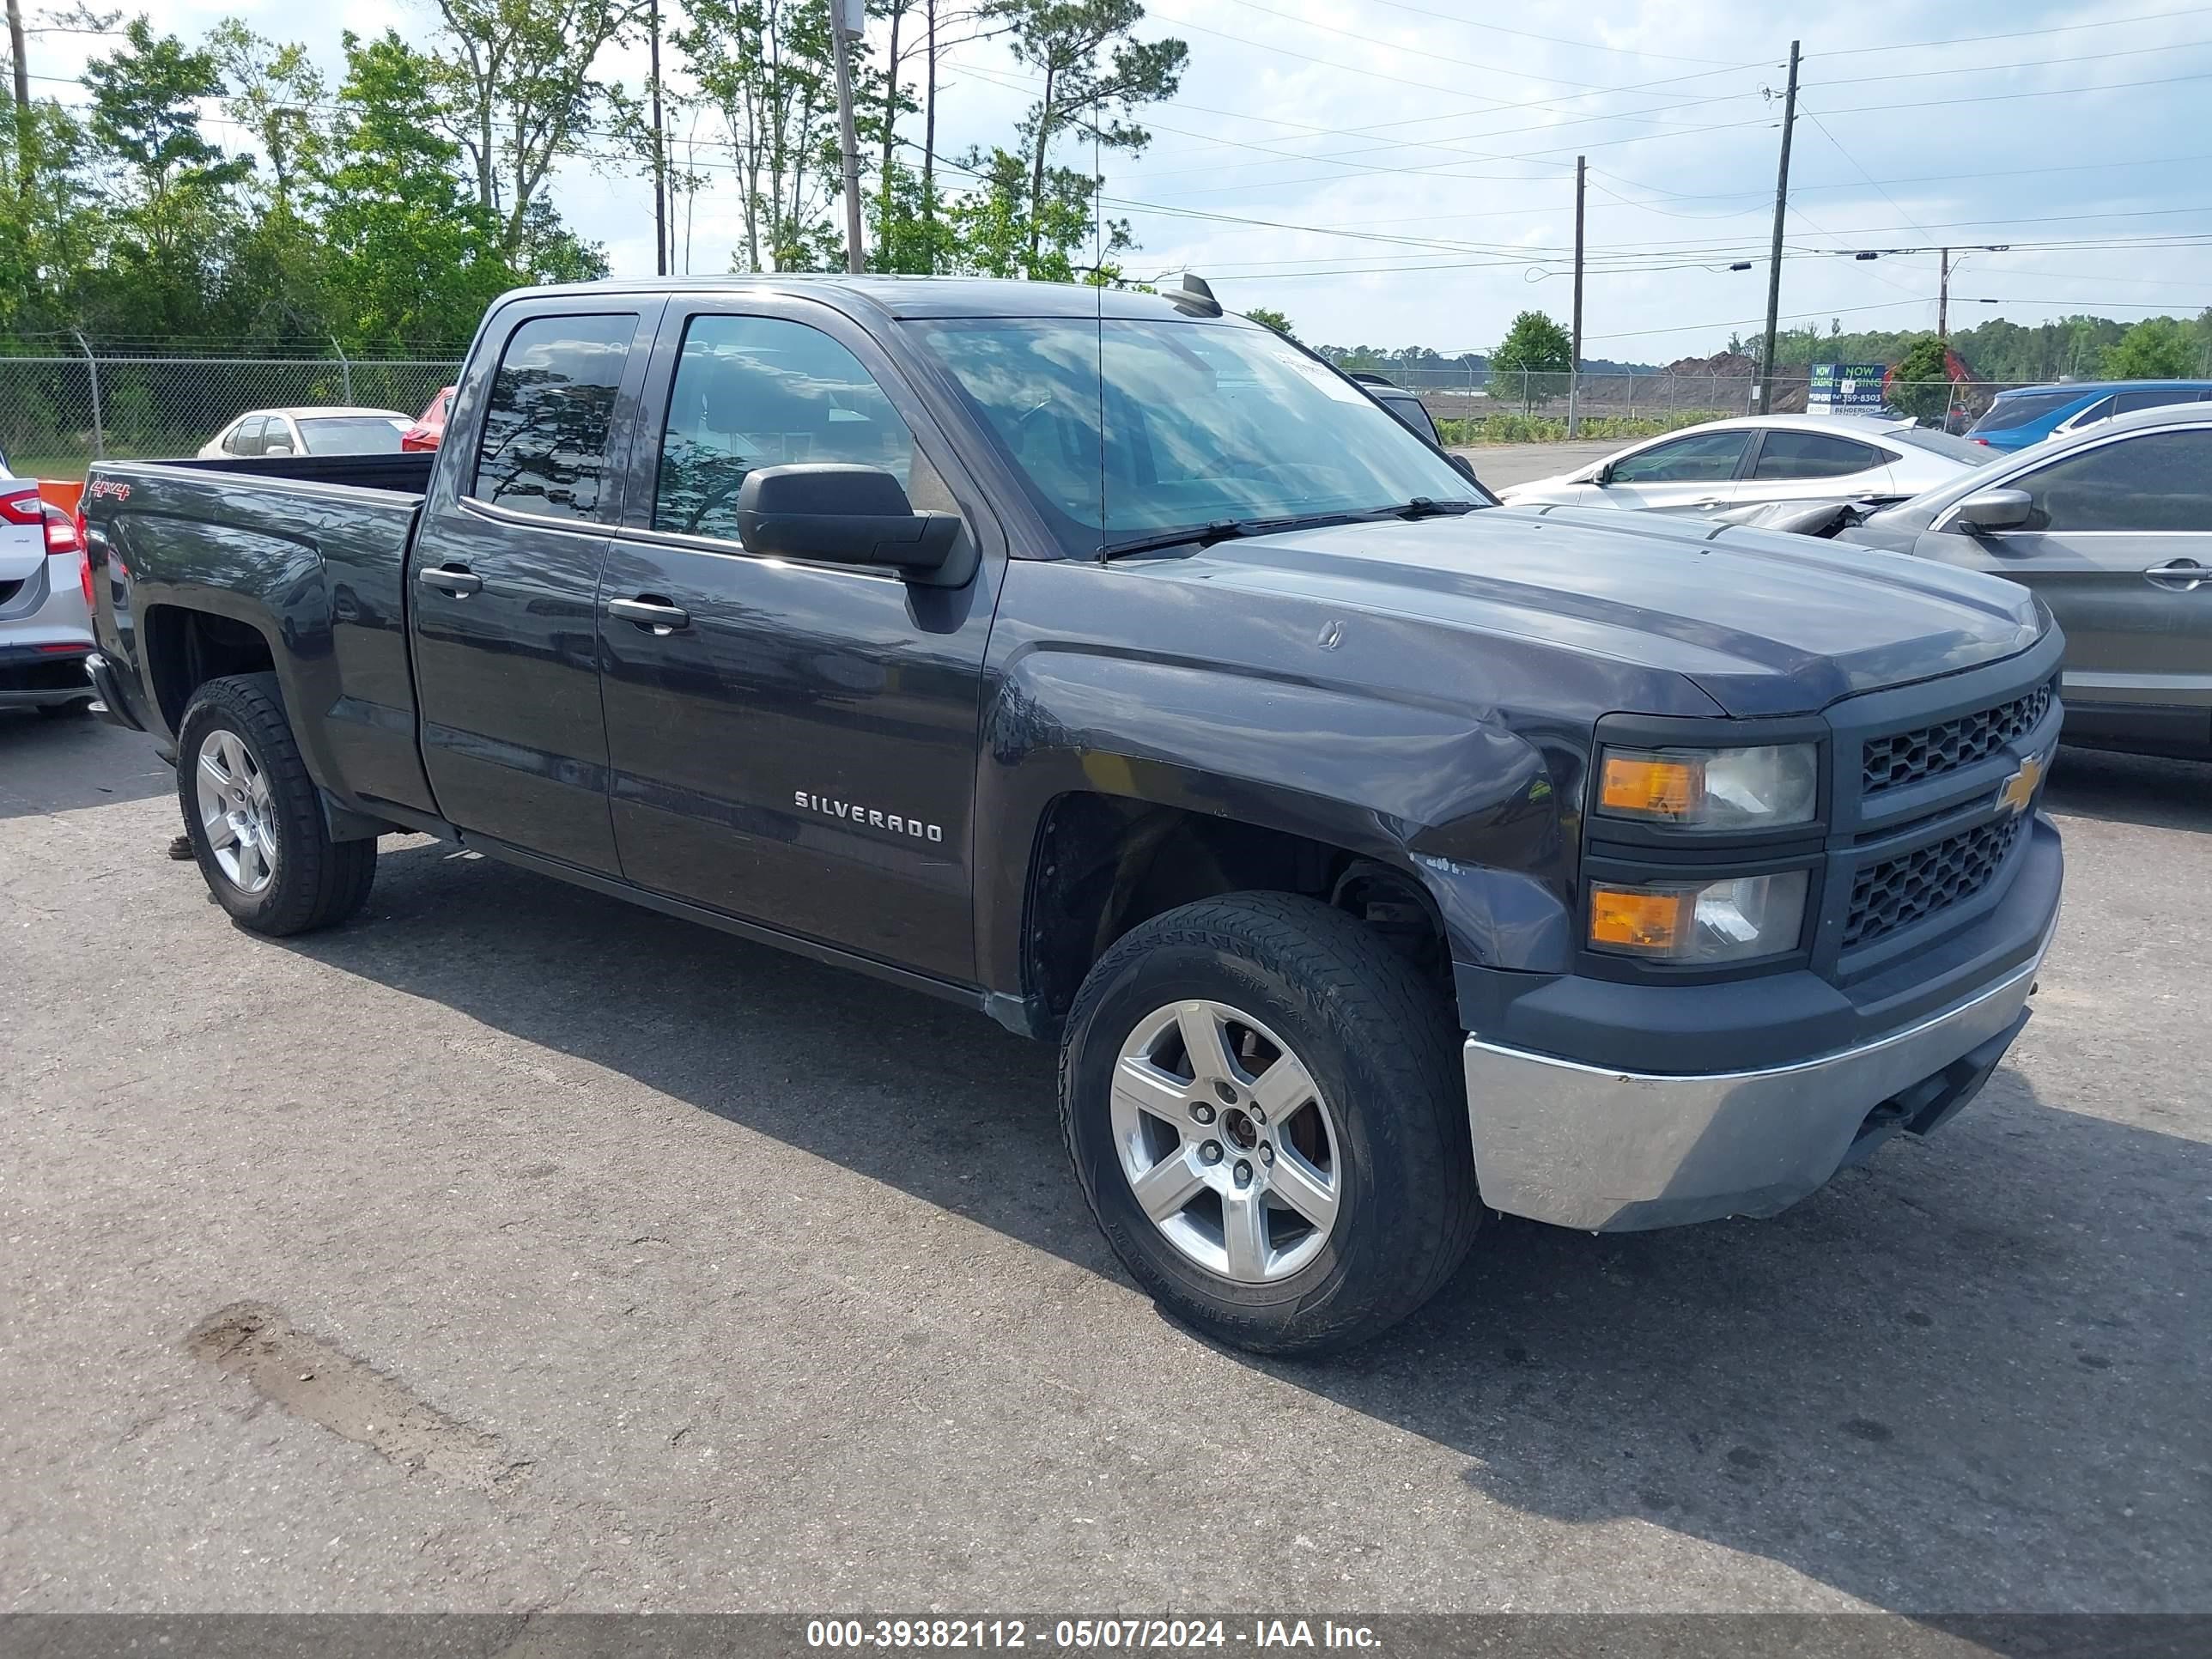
<point x="1259" y="1100"/>
<point x="254" y="816"/>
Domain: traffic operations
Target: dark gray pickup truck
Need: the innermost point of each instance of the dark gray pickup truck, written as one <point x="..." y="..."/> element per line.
<point x="1377" y="855"/>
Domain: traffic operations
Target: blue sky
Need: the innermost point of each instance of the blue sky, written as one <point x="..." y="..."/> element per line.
<point x="1396" y="172"/>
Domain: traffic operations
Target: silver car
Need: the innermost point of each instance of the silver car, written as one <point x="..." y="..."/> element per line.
<point x="46" y="604"/>
<point x="2113" y="528"/>
<point x="1730" y="466"/>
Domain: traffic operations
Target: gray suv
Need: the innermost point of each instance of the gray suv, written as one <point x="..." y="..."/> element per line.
<point x="2111" y="527"/>
<point x="45" y="604"/>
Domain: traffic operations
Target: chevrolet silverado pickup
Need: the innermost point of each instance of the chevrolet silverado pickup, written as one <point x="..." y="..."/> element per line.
<point x="1379" y="856"/>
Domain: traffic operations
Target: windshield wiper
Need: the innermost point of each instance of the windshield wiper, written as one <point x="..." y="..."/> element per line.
<point x="1221" y="530"/>
<point x="1422" y="507"/>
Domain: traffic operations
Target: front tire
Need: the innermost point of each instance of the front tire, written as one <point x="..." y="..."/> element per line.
<point x="254" y="817"/>
<point x="1259" y="1099"/>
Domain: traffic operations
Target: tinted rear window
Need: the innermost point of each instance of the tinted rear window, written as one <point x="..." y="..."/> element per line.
<point x="545" y="424"/>
<point x="2012" y="411"/>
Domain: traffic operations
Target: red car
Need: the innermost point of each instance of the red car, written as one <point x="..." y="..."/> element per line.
<point x="426" y="431"/>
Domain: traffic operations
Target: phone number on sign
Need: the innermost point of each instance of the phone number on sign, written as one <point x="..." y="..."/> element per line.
<point x="1138" y="1633"/>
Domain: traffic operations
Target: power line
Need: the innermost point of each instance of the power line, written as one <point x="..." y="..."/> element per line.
<point x="2022" y="34"/>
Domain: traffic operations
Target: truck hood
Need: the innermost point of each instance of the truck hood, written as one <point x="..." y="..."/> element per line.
<point x="1764" y="623"/>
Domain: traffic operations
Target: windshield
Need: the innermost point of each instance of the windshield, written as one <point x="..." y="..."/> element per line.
<point x="349" y="434"/>
<point x="2011" y="411"/>
<point x="1204" y="423"/>
<point x="1942" y="443"/>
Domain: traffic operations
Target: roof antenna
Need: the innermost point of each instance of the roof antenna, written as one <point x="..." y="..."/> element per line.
<point x="1195" y="297"/>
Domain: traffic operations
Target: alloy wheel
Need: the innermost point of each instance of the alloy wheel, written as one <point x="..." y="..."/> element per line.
<point x="1226" y="1141"/>
<point x="237" y="812"/>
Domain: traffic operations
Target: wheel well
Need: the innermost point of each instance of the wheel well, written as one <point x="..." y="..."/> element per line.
<point x="1103" y="865"/>
<point x="185" y="649"/>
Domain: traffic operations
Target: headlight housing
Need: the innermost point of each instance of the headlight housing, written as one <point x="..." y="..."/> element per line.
<point x="1736" y="919"/>
<point x="1716" y="790"/>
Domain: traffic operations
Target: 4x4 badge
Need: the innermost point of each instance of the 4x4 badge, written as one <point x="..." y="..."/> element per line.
<point x="2018" y="793"/>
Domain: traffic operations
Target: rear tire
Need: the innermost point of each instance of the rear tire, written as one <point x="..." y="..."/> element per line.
<point x="1320" y="1221"/>
<point x="254" y="817"/>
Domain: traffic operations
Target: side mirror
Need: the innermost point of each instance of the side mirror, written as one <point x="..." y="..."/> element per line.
<point x="1465" y="468"/>
<point x="841" y="514"/>
<point x="1602" y="475"/>
<point x="276" y="449"/>
<point x="1995" y="509"/>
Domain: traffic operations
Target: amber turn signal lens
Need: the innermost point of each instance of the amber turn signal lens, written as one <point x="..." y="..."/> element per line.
<point x="1647" y="787"/>
<point x="1630" y="920"/>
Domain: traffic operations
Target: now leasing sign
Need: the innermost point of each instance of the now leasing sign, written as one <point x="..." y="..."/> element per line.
<point x="1838" y="388"/>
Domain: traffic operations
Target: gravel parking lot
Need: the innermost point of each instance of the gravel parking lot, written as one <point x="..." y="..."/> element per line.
<point x="512" y="1249"/>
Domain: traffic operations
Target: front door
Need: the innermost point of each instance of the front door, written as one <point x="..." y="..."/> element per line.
<point x="1694" y="473"/>
<point x="792" y="743"/>
<point x="503" y="595"/>
<point x="2120" y="547"/>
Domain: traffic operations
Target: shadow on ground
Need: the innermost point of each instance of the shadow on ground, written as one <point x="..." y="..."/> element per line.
<point x="2172" y="795"/>
<point x="1970" y="1376"/>
<point x="58" y="765"/>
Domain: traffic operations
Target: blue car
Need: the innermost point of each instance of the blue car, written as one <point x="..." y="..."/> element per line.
<point x="2033" y="413"/>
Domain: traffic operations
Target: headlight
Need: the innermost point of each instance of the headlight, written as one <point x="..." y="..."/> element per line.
<point x="1730" y="920"/>
<point x="1712" y="788"/>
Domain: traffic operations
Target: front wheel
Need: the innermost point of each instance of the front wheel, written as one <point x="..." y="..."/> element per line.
<point x="1260" y="1098"/>
<point x="254" y="818"/>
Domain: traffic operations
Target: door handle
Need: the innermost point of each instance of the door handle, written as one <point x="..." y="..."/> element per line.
<point x="2178" y="575"/>
<point x="654" y="614"/>
<point x="456" y="580"/>
<point x="1707" y="507"/>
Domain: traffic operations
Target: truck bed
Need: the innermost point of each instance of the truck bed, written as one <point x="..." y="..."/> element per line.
<point x="310" y="553"/>
<point x="407" y="473"/>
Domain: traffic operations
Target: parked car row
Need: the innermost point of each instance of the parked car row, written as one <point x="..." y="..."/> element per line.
<point x="2107" y="520"/>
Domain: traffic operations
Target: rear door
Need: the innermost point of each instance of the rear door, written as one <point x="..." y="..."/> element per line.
<point x="1794" y="466"/>
<point x="1694" y="473"/>
<point x="793" y="743"/>
<point x="503" y="589"/>
<point x="2120" y="547"/>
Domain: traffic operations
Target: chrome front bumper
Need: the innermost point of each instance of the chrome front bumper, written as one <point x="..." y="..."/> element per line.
<point x="1612" y="1151"/>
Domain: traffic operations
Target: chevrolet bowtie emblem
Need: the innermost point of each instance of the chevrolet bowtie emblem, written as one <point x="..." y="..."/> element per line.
<point x="2019" y="791"/>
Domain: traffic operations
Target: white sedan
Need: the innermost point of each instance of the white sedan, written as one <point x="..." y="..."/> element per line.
<point x="316" y="429"/>
<point x="1725" y="466"/>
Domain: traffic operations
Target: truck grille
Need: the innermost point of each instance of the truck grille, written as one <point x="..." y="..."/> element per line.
<point x="1897" y="891"/>
<point x="1905" y="758"/>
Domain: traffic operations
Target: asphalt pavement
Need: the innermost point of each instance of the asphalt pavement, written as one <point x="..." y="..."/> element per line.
<point x="511" y="1249"/>
<point x="1501" y="465"/>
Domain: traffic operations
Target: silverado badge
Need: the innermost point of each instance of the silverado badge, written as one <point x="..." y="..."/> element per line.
<point x="2018" y="792"/>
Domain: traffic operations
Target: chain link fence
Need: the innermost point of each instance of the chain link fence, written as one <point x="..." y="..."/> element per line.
<point x="1618" y="404"/>
<point x="60" y="413"/>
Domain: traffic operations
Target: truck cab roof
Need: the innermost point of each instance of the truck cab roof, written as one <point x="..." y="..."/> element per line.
<point x="905" y="297"/>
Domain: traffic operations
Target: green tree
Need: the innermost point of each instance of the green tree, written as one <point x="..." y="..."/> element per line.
<point x="1268" y="318"/>
<point x="412" y="248"/>
<point x="766" y="65"/>
<point x="2156" y="348"/>
<point x="1001" y="230"/>
<point x="517" y="95"/>
<point x="1095" y="75"/>
<point x="1920" y="385"/>
<point x="1534" y="346"/>
<point x="169" y="188"/>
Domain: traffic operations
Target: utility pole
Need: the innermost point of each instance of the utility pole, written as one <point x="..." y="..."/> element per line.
<point x="1575" y="367"/>
<point x="26" y="121"/>
<point x="848" y="19"/>
<point x="1943" y="299"/>
<point x="659" y="159"/>
<point x="1774" y="270"/>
